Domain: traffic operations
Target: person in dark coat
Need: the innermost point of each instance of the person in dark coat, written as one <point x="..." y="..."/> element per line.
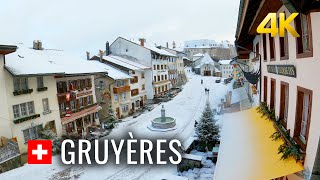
<point x="201" y="81"/>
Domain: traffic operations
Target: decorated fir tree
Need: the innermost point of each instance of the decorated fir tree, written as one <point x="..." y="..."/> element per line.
<point x="207" y="128"/>
<point x="111" y="118"/>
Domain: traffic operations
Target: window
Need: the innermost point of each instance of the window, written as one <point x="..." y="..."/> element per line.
<point x="162" y="77"/>
<point x="63" y="107"/>
<point x="40" y="82"/>
<point x="134" y="80"/>
<point x="143" y="87"/>
<point x="119" y="83"/>
<point x="284" y="103"/>
<point x="125" y="108"/>
<point x="62" y="86"/>
<point x="45" y="103"/>
<point x="124" y="96"/>
<point x="158" y="67"/>
<point x="264" y="41"/>
<point x="304" y="43"/>
<point x="165" y="66"/>
<point x="20" y="84"/>
<point x="154" y="67"/>
<point x="158" y="77"/>
<point x="72" y="105"/>
<point x="116" y="97"/>
<point x="166" y="77"/>
<point x="90" y="98"/>
<point x="16" y="111"/>
<point x="161" y="66"/>
<point x="81" y="101"/>
<point x="134" y="92"/>
<point x="155" y="78"/>
<point x="22" y="110"/>
<point x="32" y="133"/>
<point x="283" y="42"/>
<point x="271" y="44"/>
<point x="142" y="75"/>
<point x="303" y="116"/>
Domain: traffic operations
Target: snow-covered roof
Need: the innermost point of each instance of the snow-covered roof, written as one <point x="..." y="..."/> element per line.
<point x="159" y="51"/>
<point x="192" y="157"/>
<point x="198" y="55"/>
<point x="187" y="143"/>
<point x="201" y="43"/>
<point x="225" y="62"/>
<point x="112" y="72"/>
<point x="150" y="47"/>
<point x="125" y="63"/>
<point x="27" y="61"/>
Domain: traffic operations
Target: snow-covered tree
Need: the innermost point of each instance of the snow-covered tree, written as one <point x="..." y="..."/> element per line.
<point x="207" y="128"/>
<point x="111" y="118"/>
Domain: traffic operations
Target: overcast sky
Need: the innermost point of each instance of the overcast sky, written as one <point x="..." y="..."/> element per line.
<point x="80" y="25"/>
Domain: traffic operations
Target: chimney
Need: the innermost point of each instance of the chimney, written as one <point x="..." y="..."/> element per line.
<point x="107" y="48"/>
<point x="142" y="41"/>
<point x="173" y="45"/>
<point x="37" y="45"/>
<point x="167" y="45"/>
<point x="88" y="55"/>
<point x="100" y="53"/>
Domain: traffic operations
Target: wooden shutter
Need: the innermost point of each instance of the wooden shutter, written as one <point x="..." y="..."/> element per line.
<point x="298" y="113"/>
<point x="282" y="100"/>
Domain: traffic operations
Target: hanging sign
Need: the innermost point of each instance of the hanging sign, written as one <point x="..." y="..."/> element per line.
<point x="284" y="70"/>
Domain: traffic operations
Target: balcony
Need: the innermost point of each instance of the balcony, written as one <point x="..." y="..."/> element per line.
<point x="117" y="90"/>
<point x="161" y="82"/>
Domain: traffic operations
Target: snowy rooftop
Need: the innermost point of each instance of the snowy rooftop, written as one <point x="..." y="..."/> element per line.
<point x="125" y="63"/>
<point x="159" y="51"/>
<point x="192" y="156"/>
<point x="225" y="62"/>
<point x="27" y="61"/>
<point x="201" y="43"/>
<point x="198" y="55"/>
<point x="113" y="73"/>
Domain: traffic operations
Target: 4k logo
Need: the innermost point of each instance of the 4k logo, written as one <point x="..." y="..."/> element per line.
<point x="39" y="152"/>
<point x="284" y="24"/>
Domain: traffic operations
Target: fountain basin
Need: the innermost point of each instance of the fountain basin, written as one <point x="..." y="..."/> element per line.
<point x="168" y="122"/>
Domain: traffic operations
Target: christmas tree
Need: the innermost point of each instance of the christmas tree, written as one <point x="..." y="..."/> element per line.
<point x="207" y="128"/>
<point x="111" y="118"/>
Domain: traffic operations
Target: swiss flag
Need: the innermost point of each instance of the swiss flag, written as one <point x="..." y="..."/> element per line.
<point x="39" y="152"/>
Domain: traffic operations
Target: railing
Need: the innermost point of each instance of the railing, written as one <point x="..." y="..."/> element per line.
<point x="117" y="90"/>
<point x="8" y="150"/>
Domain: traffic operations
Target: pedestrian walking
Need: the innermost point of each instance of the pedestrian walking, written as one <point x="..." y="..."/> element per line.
<point x="201" y="81"/>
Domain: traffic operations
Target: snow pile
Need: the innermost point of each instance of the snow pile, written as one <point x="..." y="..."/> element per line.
<point x="204" y="173"/>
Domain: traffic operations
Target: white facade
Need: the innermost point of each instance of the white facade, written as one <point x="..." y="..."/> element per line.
<point x="226" y="68"/>
<point x="305" y="83"/>
<point x="23" y="129"/>
<point x="157" y="80"/>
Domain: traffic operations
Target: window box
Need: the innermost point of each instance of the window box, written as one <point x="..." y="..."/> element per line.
<point x="24" y="91"/>
<point x="42" y="89"/>
<point x="17" y="121"/>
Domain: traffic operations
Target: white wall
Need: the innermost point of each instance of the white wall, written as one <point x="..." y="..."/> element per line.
<point x="36" y="97"/>
<point x="141" y="55"/>
<point x="5" y="122"/>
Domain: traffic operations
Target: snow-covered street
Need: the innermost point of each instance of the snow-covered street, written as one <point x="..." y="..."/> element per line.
<point x="186" y="107"/>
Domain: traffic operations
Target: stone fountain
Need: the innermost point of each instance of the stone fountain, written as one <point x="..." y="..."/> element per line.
<point x="163" y="122"/>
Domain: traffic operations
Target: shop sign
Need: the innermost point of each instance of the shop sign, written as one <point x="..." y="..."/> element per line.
<point x="284" y="70"/>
